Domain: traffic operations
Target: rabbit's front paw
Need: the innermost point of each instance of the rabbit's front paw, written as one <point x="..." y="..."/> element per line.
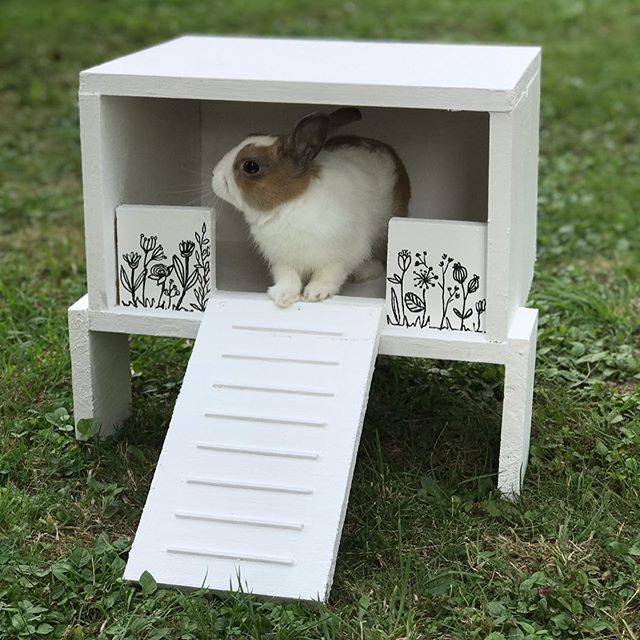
<point x="317" y="291"/>
<point x="284" y="295"/>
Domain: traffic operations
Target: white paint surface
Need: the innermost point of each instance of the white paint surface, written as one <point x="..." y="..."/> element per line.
<point x="100" y="372"/>
<point x="169" y="226"/>
<point x="517" y="353"/>
<point x="512" y="203"/>
<point x="464" y="119"/>
<point x="519" y="373"/>
<point x="255" y="471"/>
<point x="474" y="77"/>
<point x="140" y="147"/>
<point x="133" y="151"/>
<point x="424" y="258"/>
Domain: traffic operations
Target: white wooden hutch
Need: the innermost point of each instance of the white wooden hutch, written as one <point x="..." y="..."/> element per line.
<point x="153" y="124"/>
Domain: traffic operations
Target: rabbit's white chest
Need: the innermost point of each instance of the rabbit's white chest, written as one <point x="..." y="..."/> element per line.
<point x="338" y="220"/>
<point x="300" y="236"/>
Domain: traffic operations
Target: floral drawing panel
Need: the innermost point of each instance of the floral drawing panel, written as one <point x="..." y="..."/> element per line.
<point x="436" y="275"/>
<point x="165" y="257"/>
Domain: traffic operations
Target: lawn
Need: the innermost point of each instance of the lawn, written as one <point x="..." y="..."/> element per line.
<point x="429" y="550"/>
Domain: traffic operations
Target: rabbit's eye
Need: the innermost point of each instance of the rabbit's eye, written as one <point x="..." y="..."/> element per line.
<point x="250" y="167"/>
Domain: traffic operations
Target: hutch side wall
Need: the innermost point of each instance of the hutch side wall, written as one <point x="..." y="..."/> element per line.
<point x="134" y="150"/>
<point x="513" y="189"/>
<point x="524" y="200"/>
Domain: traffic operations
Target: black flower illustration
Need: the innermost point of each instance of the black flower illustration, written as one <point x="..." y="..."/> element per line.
<point x="409" y="299"/>
<point x="160" y="272"/>
<point x="186" y="248"/>
<point x="481" y="307"/>
<point x="398" y="309"/>
<point x="459" y="273"/>
<point x="132" y="259"/>
<point x="425" y="278"/>
<point x="149" y="243"/>
<point x="188" y="269"/>
<point x="131" y="283"/>
<point x="152" y="252"/>
<point x="171" y="290"/>
<point x="421" y="260"/>
<point x="404" y="259"/>
<point x="186" y="279"/>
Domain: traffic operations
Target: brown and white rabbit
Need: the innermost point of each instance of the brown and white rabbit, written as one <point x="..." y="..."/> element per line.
<point x="317" y="207"/>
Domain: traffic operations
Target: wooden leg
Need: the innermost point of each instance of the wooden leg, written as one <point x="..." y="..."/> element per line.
<point x="100" y="372"/>
<point x="518" y="399"/>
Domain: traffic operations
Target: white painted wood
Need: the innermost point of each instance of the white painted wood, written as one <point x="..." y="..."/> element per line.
<point x="524" y="202"/>
<point x="414" y="342"/>
<point x="499" y="225"/>
<point x="517" y="354"/>
<point x="133" y="151"/>
<point x="100" y="373"/>
<point x="153" y="124"/>
<point x="396" y="341"/>
<point x="149" y="322"/>
<point x="159" y="151"/>
<point x="436" y="76"/>
<point x="518" y="401"/>
<point x="99" y="241"/>
<point x="254" y="475"/>
<point x="166" y="256"/>
<point x="436" y="275"/>
<point x="512" y="210"/>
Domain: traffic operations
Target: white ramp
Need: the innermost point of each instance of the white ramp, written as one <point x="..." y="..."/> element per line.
<point x="252" y="483"/>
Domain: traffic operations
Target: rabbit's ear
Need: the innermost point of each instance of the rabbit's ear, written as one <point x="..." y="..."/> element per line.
<point x="306" y="140"/>
<point x="344" y="116"/>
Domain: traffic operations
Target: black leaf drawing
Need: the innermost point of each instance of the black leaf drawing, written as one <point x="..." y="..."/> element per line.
<point x="189" y="270"/>
<point x="465" y="316"/>
<point x="139" y="280"/>
<point x="191" y="280"/>
<point x="124" y="278"/>
<point x="410" y="304"/>
<point x="179" y="269"/>
<point x="414" y="303"/>
<point x="394" y="307"/>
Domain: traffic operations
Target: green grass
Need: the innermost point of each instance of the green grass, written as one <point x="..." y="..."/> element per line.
<point x="429" y="550"/>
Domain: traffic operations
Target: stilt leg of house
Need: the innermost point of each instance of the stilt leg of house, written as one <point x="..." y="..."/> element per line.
<point x="518" y="398"/>
<point x="101" y="374"/>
